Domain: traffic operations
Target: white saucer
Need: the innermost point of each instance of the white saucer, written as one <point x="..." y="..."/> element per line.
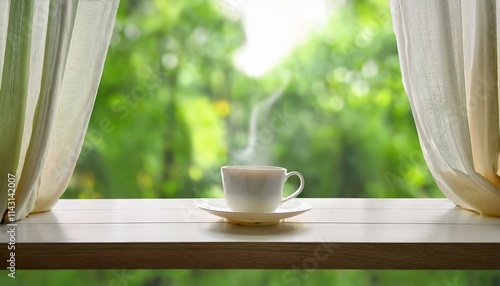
<point x="288" y="209"/>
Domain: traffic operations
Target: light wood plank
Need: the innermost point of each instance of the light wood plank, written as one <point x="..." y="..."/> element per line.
<point x="338" y="203"/>
<point x="284" y="232"/>
<point x="336" y="233"/>
<point x="364" y="216"/>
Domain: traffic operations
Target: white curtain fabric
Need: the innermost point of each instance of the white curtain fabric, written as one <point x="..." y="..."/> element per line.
<point x="51" y="58"/>
<point x="449" y="55"/>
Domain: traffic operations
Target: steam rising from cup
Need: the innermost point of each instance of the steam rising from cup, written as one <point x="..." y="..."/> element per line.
<point x="259" y="140"/>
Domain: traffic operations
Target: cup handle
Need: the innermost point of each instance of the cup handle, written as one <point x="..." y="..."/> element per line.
<point x="297" y="192"/>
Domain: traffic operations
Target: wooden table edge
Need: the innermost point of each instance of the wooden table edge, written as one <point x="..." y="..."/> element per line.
<point x="256" y="255"/>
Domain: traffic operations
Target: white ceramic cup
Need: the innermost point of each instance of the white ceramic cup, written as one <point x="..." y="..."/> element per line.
<point x="257" y="189"/>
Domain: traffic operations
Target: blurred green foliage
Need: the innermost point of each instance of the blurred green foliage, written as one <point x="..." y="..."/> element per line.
<point x="172" y="108"/>
<point x="121" y="277"/>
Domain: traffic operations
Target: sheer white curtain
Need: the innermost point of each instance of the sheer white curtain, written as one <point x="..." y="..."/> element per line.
<point x="449" y="53"/>
<point x="51" y="58"/>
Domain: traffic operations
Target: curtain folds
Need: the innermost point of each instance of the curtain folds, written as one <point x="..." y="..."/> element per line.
<point x="51" y="59"/>
<point x="448" y="53"/>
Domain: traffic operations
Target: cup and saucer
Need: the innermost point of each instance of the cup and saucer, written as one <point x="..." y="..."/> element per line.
<point x="253" y="196"/>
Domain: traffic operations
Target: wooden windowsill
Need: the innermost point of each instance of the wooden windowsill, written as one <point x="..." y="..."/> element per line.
<point x="175" y="233"/>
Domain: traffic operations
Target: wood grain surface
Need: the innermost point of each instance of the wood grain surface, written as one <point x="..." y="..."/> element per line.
<point x="335" y="234"/>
